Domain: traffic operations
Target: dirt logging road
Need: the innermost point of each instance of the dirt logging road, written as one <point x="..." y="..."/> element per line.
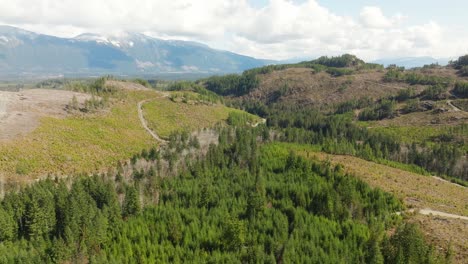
<point x="428" y="211"/>
<point x="145" y="124"/>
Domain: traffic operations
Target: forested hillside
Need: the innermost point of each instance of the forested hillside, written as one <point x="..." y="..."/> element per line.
<point x="347" y="106"/>
<point x="247" y="201"/>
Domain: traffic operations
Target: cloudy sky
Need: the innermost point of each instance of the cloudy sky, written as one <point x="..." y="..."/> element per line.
<point x="273" y="29"/>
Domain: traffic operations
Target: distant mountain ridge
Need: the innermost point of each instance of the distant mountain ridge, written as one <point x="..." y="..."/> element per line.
<point x="412" y="62"/>
<point x="23" y="52"/>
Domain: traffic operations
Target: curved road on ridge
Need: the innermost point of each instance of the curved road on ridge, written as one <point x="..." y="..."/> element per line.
<point x="427" y="211"/>
<point x="456" y="109"/>
<point x="145" y="124"/>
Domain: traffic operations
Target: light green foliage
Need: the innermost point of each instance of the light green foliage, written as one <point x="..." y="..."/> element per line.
<point x="74" y="104"/>
<point x="405" y="94"/>
<point x="410" y="77"/>
<point x="142" y="82"/>
<point x="201" y="93"/>
<point x="93" y="104"/>
<point x="80" y="143"/>
<point x="461" y="89"/>
<point x="233" y="234"/>
<point x="95" y="87"/>
<point x="131" y="203"/>
<point x="166" y="116"/>
<point x="236" y="118"/>
<point x="384" y="109"/>
<point x="412" y="105"/>
<point x="7" y="226"/>
<point x="408" y="246"/>
<point x="435" y="92"/>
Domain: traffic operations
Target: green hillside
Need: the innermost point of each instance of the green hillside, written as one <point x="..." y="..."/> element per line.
<point x="187" y="112"/>
<point x="93" y="141"/>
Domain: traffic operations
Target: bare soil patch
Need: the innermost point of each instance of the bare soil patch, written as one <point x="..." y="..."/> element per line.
<point x="20" y="111"/>
<point x="129" y="86"/>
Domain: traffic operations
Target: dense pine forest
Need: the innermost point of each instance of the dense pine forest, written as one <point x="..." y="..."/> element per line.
<point x="249" y="200"/>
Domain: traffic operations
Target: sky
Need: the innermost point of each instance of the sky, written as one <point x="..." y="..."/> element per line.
<point x="270" y="29"/>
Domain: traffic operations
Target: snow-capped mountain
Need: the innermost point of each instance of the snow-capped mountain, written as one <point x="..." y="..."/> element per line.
<point x="25" y="52"/>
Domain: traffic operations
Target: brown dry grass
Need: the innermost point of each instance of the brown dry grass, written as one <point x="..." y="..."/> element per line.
<point x="126" y="85"/>
<point x="443" y="72"/>
<point x="428" y="118"/>
<point x="444" y="232"/>
<point x="415" y="190"/>
<point x="321" y="89"/>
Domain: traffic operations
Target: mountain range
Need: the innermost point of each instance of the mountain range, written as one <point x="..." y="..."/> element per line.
<point x="413" y="62"/>
<point x="27" y="53"/>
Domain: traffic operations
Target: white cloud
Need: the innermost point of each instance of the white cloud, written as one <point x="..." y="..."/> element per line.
<point x="373" y="17"/>
<point x="281" y="29"/>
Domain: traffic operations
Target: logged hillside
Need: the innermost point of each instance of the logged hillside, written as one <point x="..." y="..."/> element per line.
<point x="305" y="86"/>
<point x="89" y="127"/>
<point x="423" y="107"/>
<point x="187" y="112"/>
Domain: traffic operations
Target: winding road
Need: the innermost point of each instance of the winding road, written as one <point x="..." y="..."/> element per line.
<point x="427" y="211"/>
<point x="144" y="123"/>
<point x="262" y="121"/>
<point x="456" y="109"/>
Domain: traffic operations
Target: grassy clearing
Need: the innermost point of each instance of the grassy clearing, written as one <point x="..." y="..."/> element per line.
<point x="79" y="144"/>
<point x="414" y="189"/>
<point x="410" y="134"/>
<point x="421" y="134"/>
<point x="165" y="116"/>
